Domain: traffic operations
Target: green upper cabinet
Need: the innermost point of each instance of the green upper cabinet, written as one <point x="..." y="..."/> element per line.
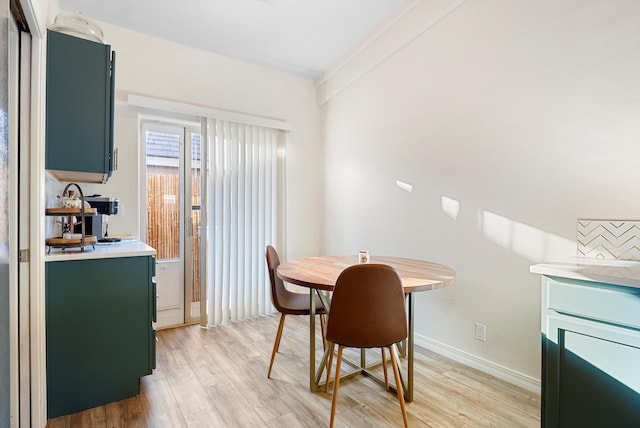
<point x="80" y="88"/>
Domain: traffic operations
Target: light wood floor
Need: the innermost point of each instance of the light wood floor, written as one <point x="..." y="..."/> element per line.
<point x="217" y="378"/>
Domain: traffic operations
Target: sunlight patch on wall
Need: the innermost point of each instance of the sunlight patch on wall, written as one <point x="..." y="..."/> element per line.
<point x="450" y="207"/>
<point x="495" y="227"/>
<point x="404" y="186"/>
<point x="527" y="241"/>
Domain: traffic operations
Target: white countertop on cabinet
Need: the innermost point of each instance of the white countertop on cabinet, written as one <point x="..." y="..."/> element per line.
<point x="102" y="251"/>
<point x="619" y="272"/>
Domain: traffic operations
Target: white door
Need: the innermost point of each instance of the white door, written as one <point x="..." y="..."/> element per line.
<point x="172" y="216"/>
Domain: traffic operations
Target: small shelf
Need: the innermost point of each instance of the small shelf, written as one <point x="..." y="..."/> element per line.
<point x="73" y="242"/>
<point x="71" y="211"/>
<point x="70" y="221"/>
<point x="63" y="243"/>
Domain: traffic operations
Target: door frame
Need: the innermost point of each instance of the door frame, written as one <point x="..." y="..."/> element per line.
<point x="25" y="234"/>
<point x="34" y="385"/>
<point x="13" y="160"/>
<point x="20" y="235"/>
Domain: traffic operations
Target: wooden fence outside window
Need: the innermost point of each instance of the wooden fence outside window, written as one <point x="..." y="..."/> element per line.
<point x="163" y="217"/>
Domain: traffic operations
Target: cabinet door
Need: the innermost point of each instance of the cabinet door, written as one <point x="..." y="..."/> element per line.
<point x="99" y="334"/>
<point x="79" y="132"/>
<point x="153" y="305"/>
<point x="591" y="376"/>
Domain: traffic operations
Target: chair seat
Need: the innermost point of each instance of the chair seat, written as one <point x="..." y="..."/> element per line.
<point x="298" y="304"/>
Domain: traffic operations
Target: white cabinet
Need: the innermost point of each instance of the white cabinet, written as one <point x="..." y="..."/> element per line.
<point x="170" y="293"/>
<point x="168" y="282"/>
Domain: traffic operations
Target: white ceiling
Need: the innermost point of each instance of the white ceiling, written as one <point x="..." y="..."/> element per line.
<point x="303" y="37"/>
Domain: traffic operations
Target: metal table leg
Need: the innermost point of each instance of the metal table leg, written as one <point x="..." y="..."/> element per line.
<point x="408" y="391"/>
<point x="312" y="341"/>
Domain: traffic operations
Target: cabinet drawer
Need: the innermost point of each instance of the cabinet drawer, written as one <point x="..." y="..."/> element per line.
<point x="152" y="351"/>
<point x="154" y="301"/>
<point x="603" y="302"/>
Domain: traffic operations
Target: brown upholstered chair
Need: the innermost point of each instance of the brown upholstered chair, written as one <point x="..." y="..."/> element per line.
<point x="287" y="302"/>
<point x="367" y="311"/>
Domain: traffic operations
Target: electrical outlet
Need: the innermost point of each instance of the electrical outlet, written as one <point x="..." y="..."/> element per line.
<point x="481" y="332"/>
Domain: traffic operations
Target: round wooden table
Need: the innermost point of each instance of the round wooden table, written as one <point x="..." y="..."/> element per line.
<point x="320" y="274"/>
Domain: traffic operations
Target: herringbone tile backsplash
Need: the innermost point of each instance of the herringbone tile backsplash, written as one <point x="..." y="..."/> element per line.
<point x="609" y="239"/>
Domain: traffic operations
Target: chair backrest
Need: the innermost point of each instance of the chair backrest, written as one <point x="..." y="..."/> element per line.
<point x="278" y="290"/>
<point x="367" y="307"/>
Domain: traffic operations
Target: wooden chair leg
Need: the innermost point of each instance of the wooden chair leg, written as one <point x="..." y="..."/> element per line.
<point x="276" y="344"/>
<point x="336" y="383"/>
<point x="384" y="367"/>
<point x="329" y="362"/>
<point x="399" y="387"/>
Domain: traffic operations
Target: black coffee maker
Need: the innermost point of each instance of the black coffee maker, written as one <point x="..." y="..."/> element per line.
<point x="98" y="225"/>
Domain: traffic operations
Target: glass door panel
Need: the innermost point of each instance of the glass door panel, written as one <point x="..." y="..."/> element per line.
<point x="173" y="218"/>
<point x="164" y="145"/>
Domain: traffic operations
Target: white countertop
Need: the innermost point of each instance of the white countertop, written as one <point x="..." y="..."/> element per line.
<point x="619" y="272"/>
<point x="102" y="251"/>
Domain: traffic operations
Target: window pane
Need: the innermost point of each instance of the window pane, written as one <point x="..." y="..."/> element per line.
<point x="163" y="194"/>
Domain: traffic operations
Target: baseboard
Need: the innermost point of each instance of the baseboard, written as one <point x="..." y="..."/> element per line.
<point x="496" y="370"/>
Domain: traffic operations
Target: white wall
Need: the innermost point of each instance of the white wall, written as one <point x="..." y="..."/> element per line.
<point x="157" y="68"/>
<point x="511" y="120"/>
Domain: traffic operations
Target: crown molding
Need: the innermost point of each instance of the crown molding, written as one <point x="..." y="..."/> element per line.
<point x="413" y="21"/>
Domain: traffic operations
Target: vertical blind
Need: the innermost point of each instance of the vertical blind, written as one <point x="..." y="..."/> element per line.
<point x="243" y="210"/>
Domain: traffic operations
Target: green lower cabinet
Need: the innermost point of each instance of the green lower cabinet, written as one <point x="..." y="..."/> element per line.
<point x="100" y="338"/>
<point x="590" y="355"/>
